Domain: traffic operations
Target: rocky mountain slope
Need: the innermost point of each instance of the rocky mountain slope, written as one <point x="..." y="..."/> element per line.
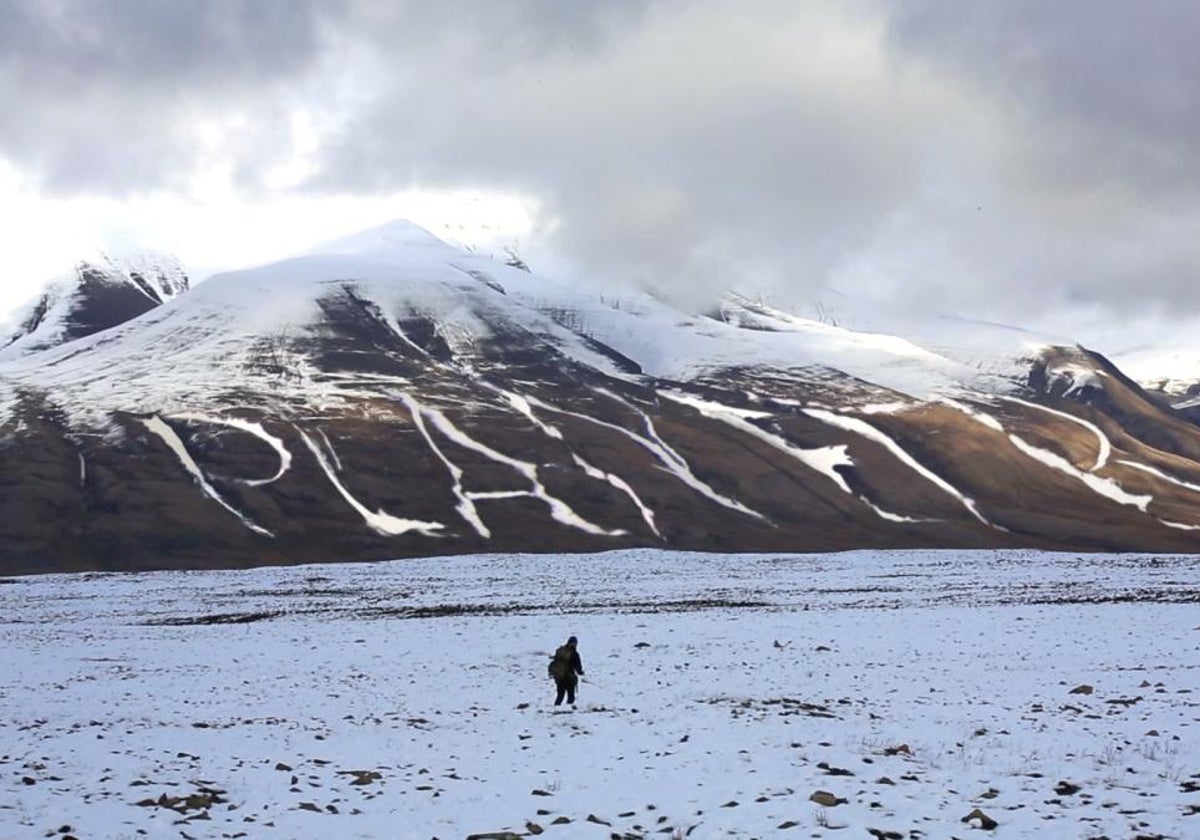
<point x="388" y="396"/>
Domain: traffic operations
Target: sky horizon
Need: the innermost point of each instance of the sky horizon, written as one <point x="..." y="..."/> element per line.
<point x="1015" y="162"/>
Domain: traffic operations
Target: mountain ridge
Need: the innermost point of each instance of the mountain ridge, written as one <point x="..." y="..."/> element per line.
<point x="102" y="292"/>
<point x="387" y="395"/>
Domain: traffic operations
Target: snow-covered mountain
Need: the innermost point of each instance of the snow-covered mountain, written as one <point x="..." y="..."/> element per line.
<point x="102" y="292"/>
<point x="388" y="395"/>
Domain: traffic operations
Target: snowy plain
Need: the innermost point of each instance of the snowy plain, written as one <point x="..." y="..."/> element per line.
<point x="885" y="694"/>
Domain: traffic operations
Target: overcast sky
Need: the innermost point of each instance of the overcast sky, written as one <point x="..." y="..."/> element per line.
<point x="1020" y="161"/>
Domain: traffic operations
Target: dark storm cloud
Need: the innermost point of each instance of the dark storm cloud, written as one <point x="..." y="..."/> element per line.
<point x="1098" y="168"/>
<point x="989" y="158"/>
<point x="109" y="95"/>
<point x="689" y="146"/>
<point x="997" y="159"/>
<point x="117" y="95"/>
<point x="1120" y="77"/>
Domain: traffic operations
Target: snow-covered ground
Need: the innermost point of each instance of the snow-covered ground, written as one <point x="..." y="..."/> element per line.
<point x="904" y="691"/>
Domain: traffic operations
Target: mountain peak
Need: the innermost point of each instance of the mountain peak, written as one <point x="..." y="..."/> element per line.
<point x="385" y="240"/>
<point x="104" y="290"/>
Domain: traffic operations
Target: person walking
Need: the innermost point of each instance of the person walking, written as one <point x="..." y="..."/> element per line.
<point x="565" y="669"/>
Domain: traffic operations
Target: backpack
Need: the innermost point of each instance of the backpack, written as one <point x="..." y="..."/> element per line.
<point x="560" y="665"/>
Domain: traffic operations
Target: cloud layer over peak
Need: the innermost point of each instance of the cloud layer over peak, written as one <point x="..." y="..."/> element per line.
<point x="996" y="159"/>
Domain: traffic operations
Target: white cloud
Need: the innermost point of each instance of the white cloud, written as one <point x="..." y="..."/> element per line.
<point x="1011" y="161"/>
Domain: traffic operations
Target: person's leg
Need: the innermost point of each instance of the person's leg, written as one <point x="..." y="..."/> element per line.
<point x="562" y="692"/>
<point x="571" y="693"/>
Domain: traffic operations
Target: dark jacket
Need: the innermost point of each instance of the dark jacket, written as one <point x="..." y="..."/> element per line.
<point x="575" y="665"/>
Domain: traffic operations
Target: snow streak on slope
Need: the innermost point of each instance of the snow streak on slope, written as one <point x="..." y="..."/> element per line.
<point x="522" y="405"/>
<point x="466" y="505"/>
<point x="560" y="511"/>
<point x="974" y="413"/>
<point x="1159" y="474"/>
<point x="378" y="521"/>
<point x="1074" y="377"/>
<point x="819" y="459"/>
<point x="1179" y="526"/>
<point x="1106" y="487"/>
<point x="824" y="460"/>
<point x="675" y="463"/>
<point x="861" y="427"/>
<point x="1170" y="479"/>
<point x="1104" y="447"/>
<point x="622" y="485"/>
<point x="158" y="427"/>
<point x="256" y="429"/>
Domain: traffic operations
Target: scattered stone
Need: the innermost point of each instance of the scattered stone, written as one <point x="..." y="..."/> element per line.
<point x="833" y="771"/>
<point x="533" y="828"/>
<point x="1124" y="701"/>
<point x="903" y="749"/>
<point x="787" y="824"/>
<point x="885" y="835"/>
<point x="283" y="767"/>
<point x="826" y="799"/>
<point x="985" y="822"/>
<point x="592" y="818"/>
<point x="1082" y="689"/>
<point x="884" y="780"/>
<point x="308" y="806"/>
<point x="199" y="802"/>
<point x="362" y="777"/>
<point x="560" y="821"/>
<point x="1065" y="788"/>
<point x="540" y="792"/>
